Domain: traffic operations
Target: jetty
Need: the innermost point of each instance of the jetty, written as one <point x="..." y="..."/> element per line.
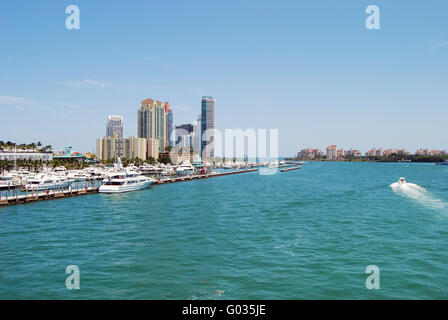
<point x="31" y="196"/>
<point x="290" y="169"/>
<point x="14" y="197"/>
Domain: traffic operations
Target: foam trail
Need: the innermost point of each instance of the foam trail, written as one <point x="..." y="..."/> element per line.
<point x="419" y="194"/>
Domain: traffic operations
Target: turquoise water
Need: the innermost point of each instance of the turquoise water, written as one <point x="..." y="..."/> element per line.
<point x="304" y="234"/>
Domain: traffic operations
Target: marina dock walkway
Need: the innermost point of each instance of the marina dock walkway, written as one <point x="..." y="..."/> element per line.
<point x="87" y="188"/>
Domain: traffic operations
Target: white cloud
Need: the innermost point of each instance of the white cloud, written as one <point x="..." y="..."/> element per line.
<point x="88" y="83"/>
<point x="97" y="83"/>
<point x="17" y="102"/>
<point x="438" y="45"/>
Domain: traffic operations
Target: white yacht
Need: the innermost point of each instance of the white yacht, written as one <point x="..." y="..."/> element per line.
<point x="44" y="181"/>
<point x="185" y="168"/>
<point x="78" y="176"/>
<point x="121" y="180"/>
<point x="7" y="181"/>
<point x="125" y="181"/>
<point x="60" y="171"/>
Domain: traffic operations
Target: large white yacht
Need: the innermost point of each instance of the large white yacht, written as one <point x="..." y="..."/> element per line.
<point x="125" y="181"/>
<point x="44" y="181"/>
<point x="121" y="180"/>
<point x="185" y="168"/>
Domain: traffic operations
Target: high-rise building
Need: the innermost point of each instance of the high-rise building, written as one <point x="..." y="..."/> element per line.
<point x="207" y="123"/>
<point x="332" y="152"/>
<point x="154" y="120"/>
<point x="197" y="135"/>
<point x="152" y="148"/>
<point x="114" y="127"/>
<point x="169" y="124"/>
<point x="129" y="148"/>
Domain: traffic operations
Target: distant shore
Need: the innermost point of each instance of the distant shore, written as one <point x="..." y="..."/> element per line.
<point x="409" y="158"/>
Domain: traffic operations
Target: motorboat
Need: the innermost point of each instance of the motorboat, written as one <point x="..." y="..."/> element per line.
<point x="185" y="168"/>
<point x="444" y="163"/>
<point x="402" y="181"/>
<point x="125" y="181"/>
<point x="78" y="176"/>
<point x="60" y="171"/>
<point x="44" y="181"/>
<point x="7" y="182"/>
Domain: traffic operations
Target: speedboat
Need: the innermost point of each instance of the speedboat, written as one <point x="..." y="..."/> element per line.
<point x="125" y="181"/>
<point x="402" y="181"/>
<point x="444" y="163"/>
<point x="185" y="168"/>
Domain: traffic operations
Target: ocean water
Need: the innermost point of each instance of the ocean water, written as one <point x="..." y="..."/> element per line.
<point x="304" y="234"/>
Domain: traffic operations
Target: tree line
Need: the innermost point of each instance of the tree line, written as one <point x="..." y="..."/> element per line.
<point x="24" y="146"/>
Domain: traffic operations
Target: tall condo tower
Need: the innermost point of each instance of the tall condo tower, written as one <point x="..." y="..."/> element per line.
<point x="154" y="121"/>
<point x="114" y="127"/>
<point x="207" y="123"/>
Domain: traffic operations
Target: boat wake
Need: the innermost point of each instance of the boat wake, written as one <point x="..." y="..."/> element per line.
<point x="419" y="194"/>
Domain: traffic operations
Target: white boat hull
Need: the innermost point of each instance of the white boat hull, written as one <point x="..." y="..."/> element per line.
<point x="125" y="188"/>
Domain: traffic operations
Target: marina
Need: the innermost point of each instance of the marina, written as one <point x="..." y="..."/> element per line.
<point x="13" y="196"/>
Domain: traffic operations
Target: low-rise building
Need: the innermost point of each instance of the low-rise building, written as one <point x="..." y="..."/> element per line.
<point x="25" y="155"/>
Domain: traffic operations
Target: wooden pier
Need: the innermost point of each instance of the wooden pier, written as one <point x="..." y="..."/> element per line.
<point x="82" y="189"/>
<point x="34" y="195"/>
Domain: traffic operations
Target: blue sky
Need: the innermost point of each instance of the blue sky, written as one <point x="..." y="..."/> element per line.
<point x="309" y="68"/>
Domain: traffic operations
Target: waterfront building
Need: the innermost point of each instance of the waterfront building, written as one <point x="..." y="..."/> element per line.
<point x="69" y="155"/>
<point x="10" y="155"/>
<point x="374" y="152"/>
<point x="421" y="152"/>
<point x="130" y="148"/>
<point x="207" y="123"/>
<point x="169" y="124"/>
<point x="437" y="152"/>
<point x="403" y="152"/>
<point x="152" y="148"/>
<point x="340" y="153"/>
<point x="331" y="152"/>
<point x="197" y="135"/>
<point x="353" y="153"/>
<point x="388" y="152"/>
<point x="310" y="153"/>
<point x="114" y="127"/>
<point x="154" y="121"/>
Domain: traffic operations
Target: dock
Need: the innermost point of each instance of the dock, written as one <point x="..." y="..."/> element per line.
<point x="290" y="169"/>
<point x="32" y="196"/>
<point x="87" y="188"/>
<point x="202" y="176"/>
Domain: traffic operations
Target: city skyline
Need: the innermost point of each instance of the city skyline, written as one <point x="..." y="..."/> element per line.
<point x="312" y="70"/>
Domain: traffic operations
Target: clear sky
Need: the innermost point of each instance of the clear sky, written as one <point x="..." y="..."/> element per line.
<point x="309" y="68"/>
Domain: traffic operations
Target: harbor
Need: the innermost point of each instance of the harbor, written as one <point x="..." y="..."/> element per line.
<point x="14" y="196"/>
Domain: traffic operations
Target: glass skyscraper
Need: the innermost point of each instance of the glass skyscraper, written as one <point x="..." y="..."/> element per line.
<point x="207" y="123"/>
<point x="114" y="127"/>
